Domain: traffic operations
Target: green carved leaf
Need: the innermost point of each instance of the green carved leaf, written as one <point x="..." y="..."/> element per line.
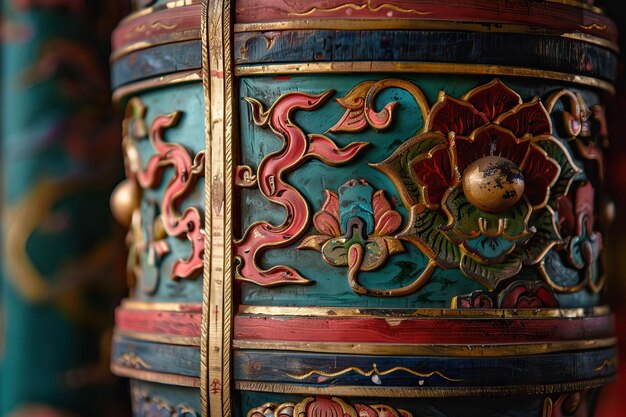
<point x="398" y="165"/>
<point x="545" y="237"/>
<point x="424" y="232"/>
<point x="569" y="170"/>
<point x="491" y="275"/>
<point x="334" y="252"/>
<point x="467" y="218"/>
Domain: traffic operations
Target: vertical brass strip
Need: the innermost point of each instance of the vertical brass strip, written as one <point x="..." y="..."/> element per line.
<point x="217" y="296"/>
<point x="204" y="342"/>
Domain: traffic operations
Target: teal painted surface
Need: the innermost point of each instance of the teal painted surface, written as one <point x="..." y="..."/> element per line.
<point x="330" y="287"/>
<point x="189" y="132"/>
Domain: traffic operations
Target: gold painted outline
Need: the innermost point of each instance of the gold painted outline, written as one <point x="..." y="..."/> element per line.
<point x="579" y="4"/>
<point x="424" y="392"/>
<point x="410" y="24"/>
<point x="217" y="312"/>
<point x="159" y="338"/>
<point x="132" y="304"/>
<point x="167" y="38"/>
<point x="424" y="312"/>
<point x="373" y="371"/>
<point x="157" y="82"/>
<point x="452" y="350"/>
<point x="418" y="67"/>
<point x="150" y="376"/>
<point x="166" y="6"/>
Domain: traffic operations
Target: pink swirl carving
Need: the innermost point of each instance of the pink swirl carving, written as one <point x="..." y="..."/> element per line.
<point x="184" y="178"/>
<point x="298" y="147"/>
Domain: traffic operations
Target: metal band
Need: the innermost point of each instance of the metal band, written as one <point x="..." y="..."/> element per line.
<point x="170" y="5"/>
<point x="428" y="350"/>
<point x="356" y="391"/>
<point x="131" y="304"/>
<point x="422" y="312"/>
<point x="158" y="82"/>
<point x="418" y="67"/>
<point x="171" y="379"/>
<point x="150" y="337"/>
<point x="579" y="4"/>
<point x="217" y="285"/>
<point x="173" y="37"/>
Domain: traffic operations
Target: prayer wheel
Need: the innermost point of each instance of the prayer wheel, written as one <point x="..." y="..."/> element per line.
<point x="366" y="208"/>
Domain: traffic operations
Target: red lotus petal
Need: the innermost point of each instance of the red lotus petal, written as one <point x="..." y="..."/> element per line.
<point x="584" y="205"/>
<point x="380" y="204"/>
<point x="491" y="140"/>
<point x="326" y="224"/>
<point x="493" y="99"/>
<point x="324" y="407"/>
<point x="388" y="223"/>
<point x="365" y="410"/>
<point x="331" y="204"/>
<point x="540" y="172"/>
<point x="528" y="118"/>
<point x="547" y="298"/>
<point x="451" y="115"/>
<point x="434" y="173"/>
<point x="566" y="216"/>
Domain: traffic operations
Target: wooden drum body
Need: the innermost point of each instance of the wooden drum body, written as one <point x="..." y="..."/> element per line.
<point x="365" y="209"/>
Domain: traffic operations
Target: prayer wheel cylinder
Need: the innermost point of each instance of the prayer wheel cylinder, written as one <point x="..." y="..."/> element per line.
<point x="364" y="208"/>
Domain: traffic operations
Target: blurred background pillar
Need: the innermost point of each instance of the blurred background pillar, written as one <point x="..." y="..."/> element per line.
<point x="60" y="160"/>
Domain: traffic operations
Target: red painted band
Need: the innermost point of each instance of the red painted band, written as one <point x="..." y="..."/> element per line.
<point x="552" y="16"/>
<point x="151" y="25"/>
<point x="166" y="323"/>
<point x="421" y="331"/>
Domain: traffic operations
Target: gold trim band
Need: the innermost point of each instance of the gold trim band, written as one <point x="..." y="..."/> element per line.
<point x="579" y="4"/>
<point x="171" y="379"/>
<point x="402" y="392"/>
<point x="170" y="5"/>
<point x="466" y="350"/>
<point x="130" y="304"/>
<point x="162" y="81"/>
<point x="407" y="24"/>
<point x="159" y="338"/>
<point x="423" y="312"/>
<point x="417" y="67"/>
<point x="167" y="38"/>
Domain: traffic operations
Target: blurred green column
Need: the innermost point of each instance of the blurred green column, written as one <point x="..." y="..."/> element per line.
<point x="60" y="161"/>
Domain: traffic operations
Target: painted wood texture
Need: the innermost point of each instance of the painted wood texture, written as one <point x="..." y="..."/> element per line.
<point x="542" y="14"/>
<point x="330" y="287"/>
<point x="566" y="55"/>
<point x="163" y="323"/>
<point x="156" y="357"/>
<point x="159" y="400"/>
<point x="420" y="331"/>
<point x="159" y="60"/>
<point x="514" y="406"/>
<point x="154" y="25"/>
<point x="408" y="371"/>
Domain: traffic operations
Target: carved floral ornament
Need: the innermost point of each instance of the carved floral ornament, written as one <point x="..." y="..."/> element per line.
<point x="326" y="407"/>
<point x="482" y="182"/>
<point x="148" y="237"/>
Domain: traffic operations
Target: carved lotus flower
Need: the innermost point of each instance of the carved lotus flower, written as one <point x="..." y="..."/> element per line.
<point x="479" y="182"/>
<point x="364" y="222"/>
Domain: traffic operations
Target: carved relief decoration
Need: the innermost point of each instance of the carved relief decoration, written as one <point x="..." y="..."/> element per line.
<point x="297" y="148"/>
<point x="326" y="407"/>
<point x="148" y="237"/>
<point x="487" y="184"/>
